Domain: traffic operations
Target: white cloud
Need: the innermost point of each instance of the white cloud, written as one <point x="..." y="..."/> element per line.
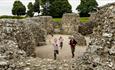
<point x="6" y="5"/>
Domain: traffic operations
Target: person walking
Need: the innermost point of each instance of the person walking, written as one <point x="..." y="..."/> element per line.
<point x="72" y="44"/>
<point x="61" y="42"/>
<point x="56" y="51"/>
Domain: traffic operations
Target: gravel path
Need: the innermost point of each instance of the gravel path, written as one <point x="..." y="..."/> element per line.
<point x="64" y="53"/>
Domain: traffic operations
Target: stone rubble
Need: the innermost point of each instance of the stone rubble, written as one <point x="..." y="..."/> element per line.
<point x="18" y="32"/>
<point x="27" y="33"/>
<point x="100" y="54"/>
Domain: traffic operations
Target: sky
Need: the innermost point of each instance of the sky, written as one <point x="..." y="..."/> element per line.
<point x="6" y="5"/>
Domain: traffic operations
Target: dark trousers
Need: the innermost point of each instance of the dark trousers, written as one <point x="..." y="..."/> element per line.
<point x="61" y="45"/>
<point x="72" y="51"/>
<point x="55" y="54"/>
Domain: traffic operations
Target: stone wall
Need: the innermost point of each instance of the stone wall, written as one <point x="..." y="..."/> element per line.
<point x="19" y="32"/>
<point x="69" y="21"/>
<point x="100" y="54"/>
<point x="27" y="33"/>
<point x="44" y="22"/>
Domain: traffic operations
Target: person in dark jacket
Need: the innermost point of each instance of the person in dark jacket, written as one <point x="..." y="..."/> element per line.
<point x="72" y="44"/>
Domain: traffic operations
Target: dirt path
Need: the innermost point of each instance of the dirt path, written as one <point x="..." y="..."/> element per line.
<point x="64" y="53"/>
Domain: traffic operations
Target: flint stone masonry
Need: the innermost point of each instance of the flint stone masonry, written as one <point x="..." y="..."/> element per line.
<point x="69" y="22"/>
<point x="44" y="22"/>
<point x="27" y="33"/>
<point x="18" y="32"/>
<point x="100" y="54"/>
<point x="80" y="39"/>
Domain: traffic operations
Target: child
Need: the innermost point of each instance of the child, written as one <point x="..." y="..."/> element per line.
<point x="61" y="42"/>
<point x="56" y="51"/>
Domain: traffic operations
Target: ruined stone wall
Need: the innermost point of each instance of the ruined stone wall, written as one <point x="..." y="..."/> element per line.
<point x="18" y="32"/>
<point x="69" y="22"/>
<point x="27" y="33"/>
<point x="100" y="54"/>
<point x="44" y="22"/>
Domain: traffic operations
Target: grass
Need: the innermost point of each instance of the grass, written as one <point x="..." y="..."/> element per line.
<point x="84" y="19"/>
<point x="57" y="19"/>
<point x="12" y="17"/>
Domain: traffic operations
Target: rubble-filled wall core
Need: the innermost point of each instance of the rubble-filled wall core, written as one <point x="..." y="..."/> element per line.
<point x="100" y="53"/>
<point x="27" y="33"/>
<point x="69" y="21"/>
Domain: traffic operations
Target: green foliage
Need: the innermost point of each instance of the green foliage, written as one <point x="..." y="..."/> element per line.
<point x="30" y="11"/>
<point x="37" y="6"/>
<point x="84" y="19"/>
<point x="87" y="6"/>
<point x="57" y="8"/>
<point x="44" y="1"/>
<point x="12" y="17"/>
<point x="30" y="6"/>
<point x="18" y="8"/>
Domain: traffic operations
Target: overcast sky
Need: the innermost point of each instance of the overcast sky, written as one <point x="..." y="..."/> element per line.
<point x="6" y="5"/>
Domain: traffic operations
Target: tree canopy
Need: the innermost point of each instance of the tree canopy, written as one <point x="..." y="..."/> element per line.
<point x="37" y="6"/>
<point x="56" y="8"/>
<point x="30" y="11"/>
<point x="87" y="6"/>
<point x="18" y="8"/>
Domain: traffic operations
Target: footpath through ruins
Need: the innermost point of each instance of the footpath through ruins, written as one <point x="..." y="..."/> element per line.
<point x="46" y="51"/>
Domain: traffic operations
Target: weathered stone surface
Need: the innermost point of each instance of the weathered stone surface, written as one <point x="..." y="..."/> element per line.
<point x="69" y="22"/>
<point x="28" y="33"/>
<point x="39" y="34"/>
<point x="44" y="22"/>
<point x="10" y="55"/>
<point x="100" y="53"/>
<point x="18" y="32"/>
<point x="80" y="39"/>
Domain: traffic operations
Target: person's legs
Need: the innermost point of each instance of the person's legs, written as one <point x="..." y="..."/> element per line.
<point x="61" y="45"/>
<point x="73" y="50"/>
<point x="55" y="55"/>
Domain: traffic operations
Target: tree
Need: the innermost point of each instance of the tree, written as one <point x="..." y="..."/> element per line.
<point x="87" y="6"/>
<point x="37" y="6"/>
<point x="57" y="8"/>
<point x="30" y="11"/>
<point x="18" y="8"/>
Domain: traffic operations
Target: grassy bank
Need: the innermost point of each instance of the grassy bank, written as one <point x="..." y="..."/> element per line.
<point x="12" y="17"/>
<point x="82" y="19"/>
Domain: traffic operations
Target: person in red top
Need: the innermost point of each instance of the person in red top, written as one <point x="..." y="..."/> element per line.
<point x="72" y="44"/>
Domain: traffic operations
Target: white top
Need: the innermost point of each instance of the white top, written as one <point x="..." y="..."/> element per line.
<point x="61" y="40"/>
<point x="55" y="45"/>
